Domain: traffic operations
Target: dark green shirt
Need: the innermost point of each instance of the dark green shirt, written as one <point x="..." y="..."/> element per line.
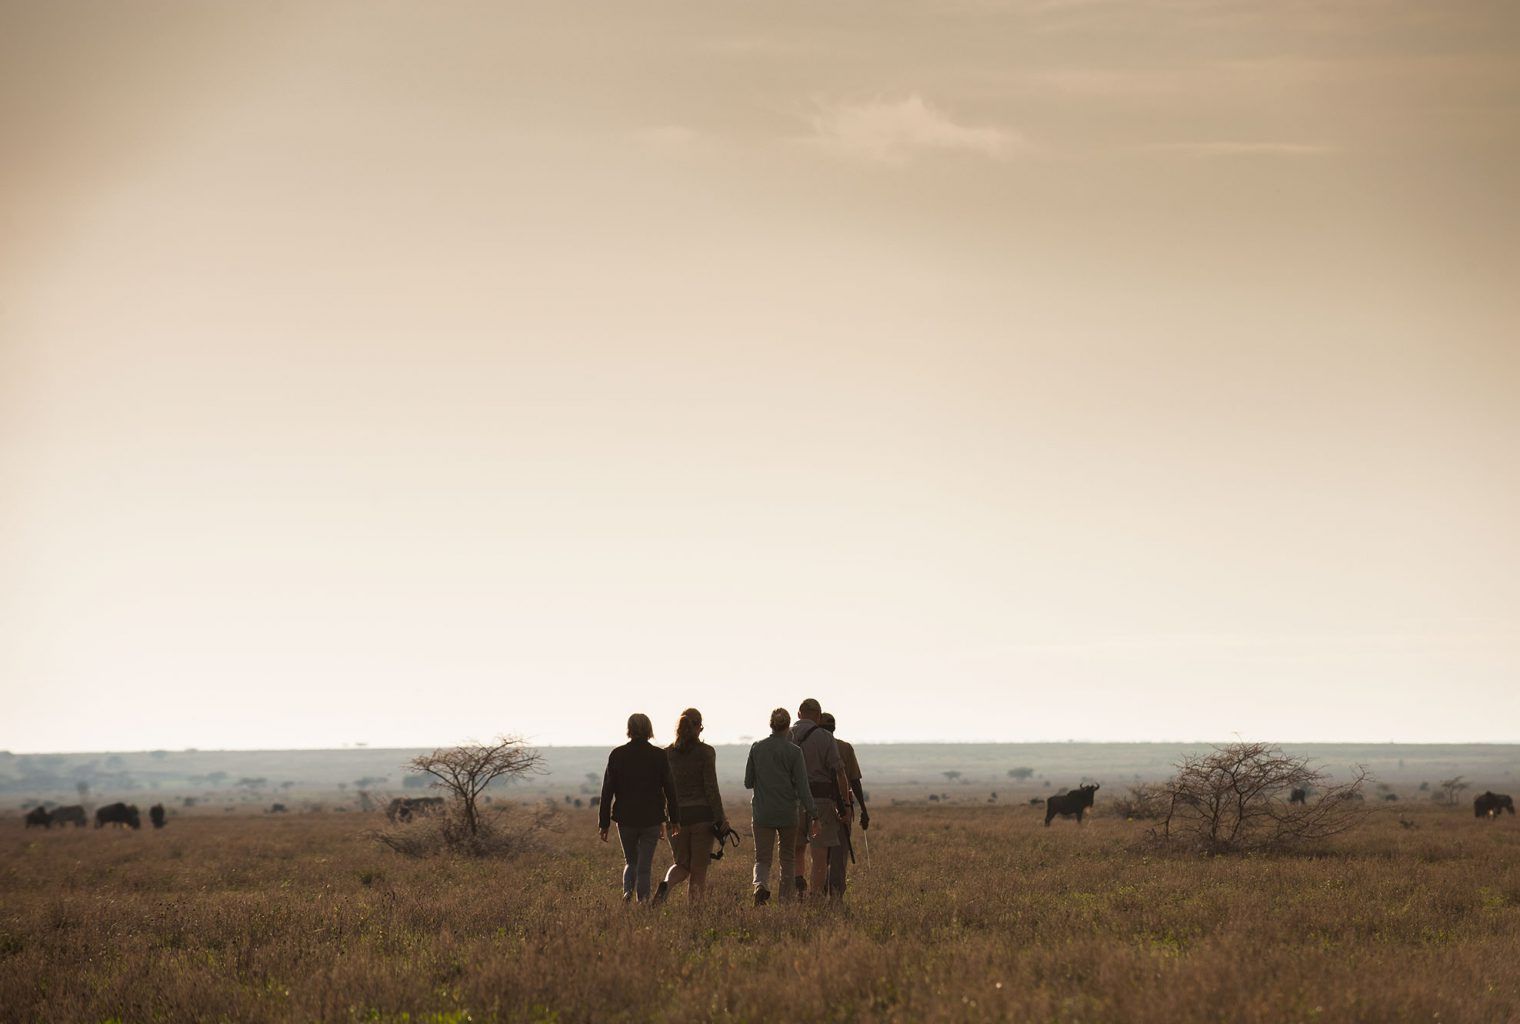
<point x="777" y="775"/>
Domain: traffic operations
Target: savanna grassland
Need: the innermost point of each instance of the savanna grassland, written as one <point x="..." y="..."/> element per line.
<point x="965" y="913"/>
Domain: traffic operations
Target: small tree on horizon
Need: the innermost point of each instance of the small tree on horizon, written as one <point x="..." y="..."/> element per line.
<point x="1451" y="789"/>
<point x="467" y="770"/>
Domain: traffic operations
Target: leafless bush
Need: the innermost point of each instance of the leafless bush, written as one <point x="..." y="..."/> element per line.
<point x="505" y="830"/>
<point x="1232" y="801"/>
<point x="1144" y="802"/>
<point x="464" y="772"/>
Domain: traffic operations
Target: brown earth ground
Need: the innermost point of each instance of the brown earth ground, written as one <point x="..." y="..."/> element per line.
<point x="964" y="914"/>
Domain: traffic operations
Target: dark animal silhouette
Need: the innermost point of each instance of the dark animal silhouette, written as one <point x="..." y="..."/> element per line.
<point x="276" y="808"/>
<point x="1298" y="796"/>
<point x="405" y="808"/>
<point x="39" y="816"/>
<point x="119" y="814"/>
<point x="1390" y="797"/>
<point x="1071" y="803"/>
<point x="1035" y="801"/>
<point x="156" y="815"/>
<point x="1490" y="804"/>
<point x="596" y="801"/>
<point x="72" y="813"/>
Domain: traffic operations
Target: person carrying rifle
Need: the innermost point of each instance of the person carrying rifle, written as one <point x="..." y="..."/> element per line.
<point x="852" y="775"/>
<point x="827" y="783"/>
<point x="775" y="772"/>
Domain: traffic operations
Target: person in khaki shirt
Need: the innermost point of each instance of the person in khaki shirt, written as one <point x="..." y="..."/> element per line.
<point x="852" y="775"/>
<point x="827" y="782"/>
<point x="775" y="772"/>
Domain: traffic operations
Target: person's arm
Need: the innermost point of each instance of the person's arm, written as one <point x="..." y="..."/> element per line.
<point x="749" y="770"/>
<point x="604" y="810"/>
<point x="672" y="800"/>
<point x="710" y="784"/>
<point x="831" y="759"/>
<point x="860" y="801"/>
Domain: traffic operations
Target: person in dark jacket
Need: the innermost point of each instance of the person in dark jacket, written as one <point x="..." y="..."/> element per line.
<point x="637" y="790"/>
<point x="699" y="816"/>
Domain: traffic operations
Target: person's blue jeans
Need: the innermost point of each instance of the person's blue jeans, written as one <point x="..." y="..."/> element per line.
<point x="638" y="851"/>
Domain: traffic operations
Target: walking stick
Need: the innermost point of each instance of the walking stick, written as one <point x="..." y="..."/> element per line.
<point x="865" y="837"/>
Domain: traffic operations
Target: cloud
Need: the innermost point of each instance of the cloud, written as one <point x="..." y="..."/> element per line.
<point x="894" y="131"/>
<point x="1236" y="148"/>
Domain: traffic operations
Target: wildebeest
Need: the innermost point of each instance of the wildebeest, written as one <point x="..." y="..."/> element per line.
<point x="405" y="808"/>
<point x="39" y="816"/>
<point x="276" y="808"/>
<point x="1489" y="804"/>
<point x="118" y="814"/>
<point x="1035" y="801"/>
<point x="1298" y="796"/>
<point x="1390" y="797"/>
<point x="156" y="815"/>
<point x="1070" y="803"/>
<point x="72" y="813"/>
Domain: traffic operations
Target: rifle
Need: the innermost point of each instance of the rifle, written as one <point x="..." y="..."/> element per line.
<point x="844" y="825"/>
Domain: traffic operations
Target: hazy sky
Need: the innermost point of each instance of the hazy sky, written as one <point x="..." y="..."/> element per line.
<point x="406" y="372"/>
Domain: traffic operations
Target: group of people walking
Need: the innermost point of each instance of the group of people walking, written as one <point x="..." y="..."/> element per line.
<point x="807" y="788"/>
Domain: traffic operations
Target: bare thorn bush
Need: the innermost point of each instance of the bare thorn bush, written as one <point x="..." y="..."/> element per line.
<point x="1234" y="800"/>
<point x="465" y="772"/>
<point x="505" y="830"/>
<point x="1146" y="801"/>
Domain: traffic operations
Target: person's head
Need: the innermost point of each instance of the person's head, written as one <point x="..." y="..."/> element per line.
<point x="810" y="709"/>
<point x="639" y="726"/>
<point x="688" y="728"/>
<point x="827" y="721"/>
<point x="781" y="720"/>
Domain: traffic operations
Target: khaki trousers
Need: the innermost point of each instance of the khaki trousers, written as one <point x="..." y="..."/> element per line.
<point x="767" y="839"/>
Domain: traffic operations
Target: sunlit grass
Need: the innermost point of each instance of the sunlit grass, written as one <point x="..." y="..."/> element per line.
<point x="964" y="914"/>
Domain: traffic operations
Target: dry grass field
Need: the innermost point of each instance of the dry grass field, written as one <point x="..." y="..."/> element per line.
<point x="965" y="914"/>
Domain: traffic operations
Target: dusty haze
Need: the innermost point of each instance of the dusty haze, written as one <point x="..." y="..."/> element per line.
<point x="1001" y="371"/>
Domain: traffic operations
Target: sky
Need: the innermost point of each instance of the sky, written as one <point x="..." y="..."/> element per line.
<point x="408" y="373"/>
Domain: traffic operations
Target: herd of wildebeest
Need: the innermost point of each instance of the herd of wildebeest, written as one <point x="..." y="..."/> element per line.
<point x="1071" y="804"/>
<point x="118" y="814"/>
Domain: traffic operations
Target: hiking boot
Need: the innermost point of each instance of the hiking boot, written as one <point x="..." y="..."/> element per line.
<point x="762" y="897"/>
<point x="627" y="897"/>
<point x="801" y="884"/>
<point x="662" y="892"/>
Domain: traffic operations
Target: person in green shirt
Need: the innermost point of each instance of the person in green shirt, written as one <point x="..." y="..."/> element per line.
<point x="777" y="775"/>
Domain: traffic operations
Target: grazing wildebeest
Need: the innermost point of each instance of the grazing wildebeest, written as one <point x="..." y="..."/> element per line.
<point x="118" y="814"/>
<point x="1490" y="804"/>
<point x="1071" y="803"/>
<point x="1035" y="801"/>
<point x="276" y="808"/>
<point x="1390" y="797"/>
<point x="1298" y="796"/>
<point x="596" y="801"/>
<point x="72" y="813"/>
<point x="39" y="816"/>
<point x="156" y="815"/>
<point x="405" y="808"/>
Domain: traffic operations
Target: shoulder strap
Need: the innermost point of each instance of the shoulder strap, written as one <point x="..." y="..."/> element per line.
<point x="812" y="728"/>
